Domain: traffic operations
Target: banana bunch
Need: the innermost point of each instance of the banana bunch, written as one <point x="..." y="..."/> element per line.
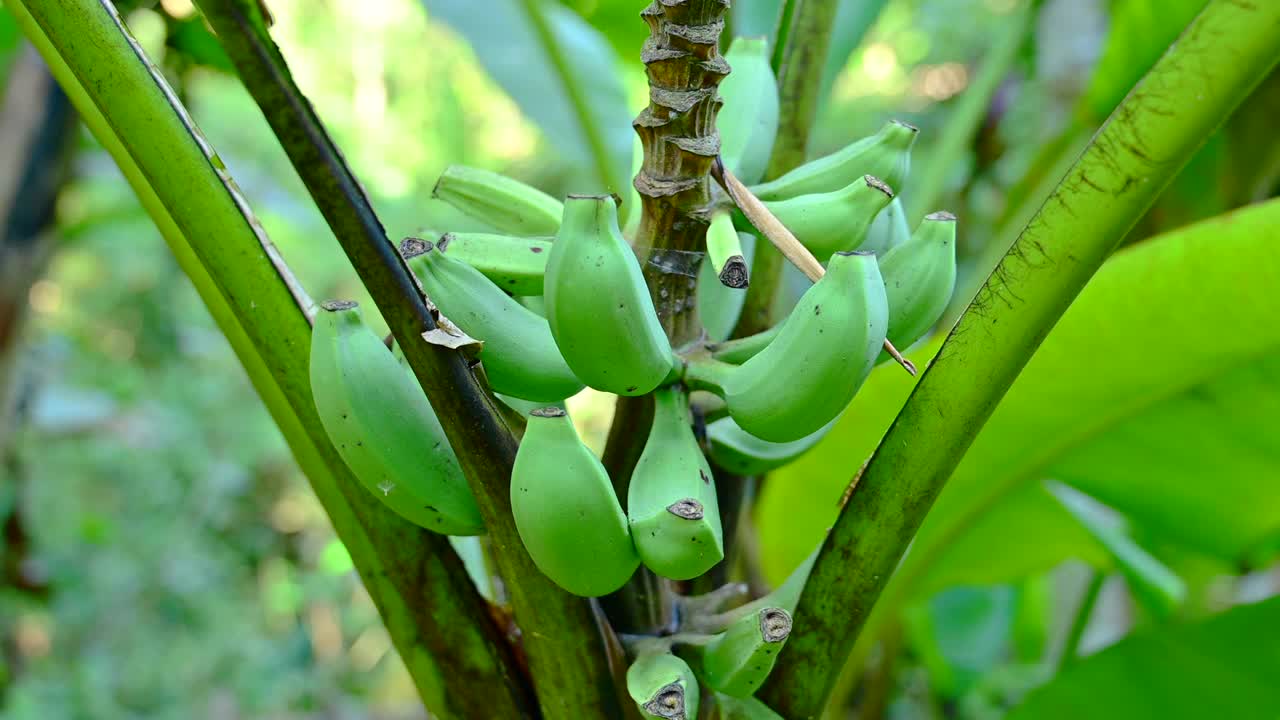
<point x="810" y="372"/>
<point x="383" y="427"/>
<point x="671" y="502"/>
<point x="565" y="509"/>
<point x="519" y="354"/>
<point x="598" y="305"/>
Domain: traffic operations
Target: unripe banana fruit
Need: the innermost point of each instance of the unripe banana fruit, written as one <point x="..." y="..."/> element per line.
<point x="886" y="155"/>
<point x="831" y="222"/>
<point x="919" y="278"/>
<point x="718" y="304"/>
<point x="729" y="707"/>
<point x="520" y="356"/>
<point x="566" y="511"/>
<point x="738" y="660"/>
<point x="663" y="686"/>
<point x="811" y="371"/>
<point x="748" y="120"/>
<point x="515" y="264"/>
<point x="383" y="427"/>
<point x="505" y="204"/>
<point x="598" y="304"/>
<point x="724" y="250"/>
<point x="742" y="453"/>
<point x="671" y="501"/>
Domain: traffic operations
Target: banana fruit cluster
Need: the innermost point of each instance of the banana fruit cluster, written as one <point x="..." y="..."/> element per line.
<point x="555" y="296"/>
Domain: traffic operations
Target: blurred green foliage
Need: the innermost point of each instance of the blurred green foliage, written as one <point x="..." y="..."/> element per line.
<point x="192" y="574"/>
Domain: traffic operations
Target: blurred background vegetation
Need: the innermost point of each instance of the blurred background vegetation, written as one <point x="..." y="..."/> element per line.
<point x="162" y="555"/>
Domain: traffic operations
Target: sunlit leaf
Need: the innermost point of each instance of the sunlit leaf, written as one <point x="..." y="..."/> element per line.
<point x="565" y="79"/>
<point x="1158" y="394"/>
<point x="1223" y="667"/>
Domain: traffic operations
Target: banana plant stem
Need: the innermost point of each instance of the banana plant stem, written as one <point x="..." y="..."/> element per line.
<point x="1080" y="621"/>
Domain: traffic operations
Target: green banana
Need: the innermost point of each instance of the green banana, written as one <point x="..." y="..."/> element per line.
<point x="671" y="501"/>
<point x="811" y="371"/>
<point x="566" y="511"/>
<point x="737" y="661"/>
<point x="520" y="356"/>
<point x="663" y="686"/>
<point x="718" y="304"/>
<point x="888" y="230"/>
<point x="748" y="120"/>
<point x="506" y="204"/>
<point x="740" y="350"/>
<point x="728" y="707"/>
<point x="383" y="427"/>
<point x="886" y="155"/>
<point x="742" y="453"/>
<point x="724" y="249"/>
<point x="833" y="221"/>
<point x="598" y="305"/>
<point x="515" y="264"/>
<point x="919" y="277"/>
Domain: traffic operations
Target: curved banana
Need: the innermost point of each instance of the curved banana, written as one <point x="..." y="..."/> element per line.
<point x="811" y="371"/>
<point x="566" y="511"/>
<point x="515" y="264"/>
<point x="724" y="250"/>
<point x="740" y="350"/>
<point x="748" y="120"/>
<point x="671" y="501"/>
<point x="742" y="453"/>
<point x="886" y="155"/>
<point x="830" y="222"/>
<point x="663" y="686"/>
<point x="520" y="356"/>
<point x="888" y="230"/>
<point x="718" y="304"/>
<point x="383" y="427"/>
<point x="598" y="305"/>
<point x="729" y="707"/>
<point x="919" y="277"/>
<point x="505" y="204"/>
<point x="738" y="660"/>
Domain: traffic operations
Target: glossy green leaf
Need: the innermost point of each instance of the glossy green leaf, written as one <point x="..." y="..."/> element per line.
<point x="561" y="72"/>
<point x="1162" y="374"/>
<point x="1221" y="668"/>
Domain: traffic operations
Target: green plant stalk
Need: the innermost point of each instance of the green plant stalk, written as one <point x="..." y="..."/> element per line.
<point x="1221" y="56"/>
<point x="567" y="660"/>
<point x="1080" y="621"/>
<point x="537" y="15"/>
<point x="250" y="294"/>
<point x="804" y="36"/>
<point x="968" y="114"/>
